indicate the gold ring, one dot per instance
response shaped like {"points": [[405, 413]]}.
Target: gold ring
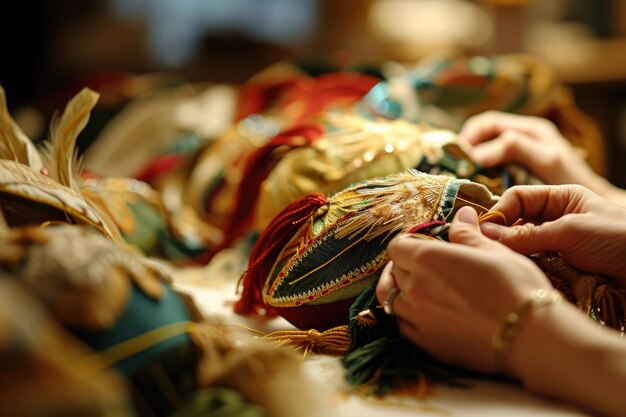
{"points": [[391, 295]]}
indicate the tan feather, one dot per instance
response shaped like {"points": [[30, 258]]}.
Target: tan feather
{"points": [[59, 153], [14, 144], [4, 225]]}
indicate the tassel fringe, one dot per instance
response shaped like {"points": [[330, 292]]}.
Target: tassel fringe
{"points": [[335, 341], [266, 250], [258, 166]]}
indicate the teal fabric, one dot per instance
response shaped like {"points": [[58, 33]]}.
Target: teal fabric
{"points": [[141, 315]]}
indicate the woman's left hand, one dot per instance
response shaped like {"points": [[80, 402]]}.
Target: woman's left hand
{"points": [[454, 295]]}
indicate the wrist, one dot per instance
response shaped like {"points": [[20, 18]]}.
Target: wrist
{"points": [[504, 338], [561, 353], [540, 340]]}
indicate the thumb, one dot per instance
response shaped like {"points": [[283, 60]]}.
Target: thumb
{"points": [[527, 238], [465, 229]]}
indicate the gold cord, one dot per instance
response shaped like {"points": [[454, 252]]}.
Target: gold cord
{"points": [[130, 347], [334, 341]]}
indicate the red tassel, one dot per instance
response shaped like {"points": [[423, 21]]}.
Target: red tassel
{"points": [[266, 250], [258, 167]]}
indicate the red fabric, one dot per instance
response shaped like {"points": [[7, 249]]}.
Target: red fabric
{"points": [[427, 225], [304, 96], [257, 97], [310, 97], [320, 317], [258, 167]]}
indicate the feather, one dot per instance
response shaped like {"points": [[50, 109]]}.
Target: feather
{"points": [[4, 225], [390, 204], [14, 144], [59, 153]]}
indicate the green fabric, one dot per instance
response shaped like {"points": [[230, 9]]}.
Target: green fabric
{"points": [[148, 224]]}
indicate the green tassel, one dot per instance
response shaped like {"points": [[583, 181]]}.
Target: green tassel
{"points": [[383, 360]]}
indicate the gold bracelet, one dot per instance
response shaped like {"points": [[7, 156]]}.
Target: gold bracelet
{"points": [[503, 338]]}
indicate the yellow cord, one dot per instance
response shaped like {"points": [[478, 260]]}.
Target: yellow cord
{"points": [[130, 347]]}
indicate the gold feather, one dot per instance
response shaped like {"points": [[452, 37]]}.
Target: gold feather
{"points": [[4, 225], [14, 144], [390, 204], [59, 153]]}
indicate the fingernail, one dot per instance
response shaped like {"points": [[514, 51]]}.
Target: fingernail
{"points": [[467, 215], [492, 230]]}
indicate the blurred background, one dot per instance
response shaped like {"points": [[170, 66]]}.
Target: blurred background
{"points": [[56, 47]]}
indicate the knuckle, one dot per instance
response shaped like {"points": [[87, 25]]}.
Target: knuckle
{"points": [[462, 232], [490, 114], [569, 221], [423, 253], [547, 127], [522, 232], [510, 139]]}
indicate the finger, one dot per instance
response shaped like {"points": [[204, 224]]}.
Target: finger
{"points": [[386, 282], [434, 267], [466, 230], [539, 202], [401, 306], [491, 124], [407, 252], [529, 238], [388, 291], [511, 146], [411, 332]]}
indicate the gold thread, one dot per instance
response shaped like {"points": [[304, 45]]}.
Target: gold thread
{"points": [[127, 348], [491, 214], [472, 203], [326, 263]]}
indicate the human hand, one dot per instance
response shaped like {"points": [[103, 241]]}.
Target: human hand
{"points": [[587, 231], [454, 296], [500, 138]]}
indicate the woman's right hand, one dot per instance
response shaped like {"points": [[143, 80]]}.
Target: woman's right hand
{"points": [[586, 230]]}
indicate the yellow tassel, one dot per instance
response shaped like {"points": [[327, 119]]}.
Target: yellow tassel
{"points": [[335, 341]]}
